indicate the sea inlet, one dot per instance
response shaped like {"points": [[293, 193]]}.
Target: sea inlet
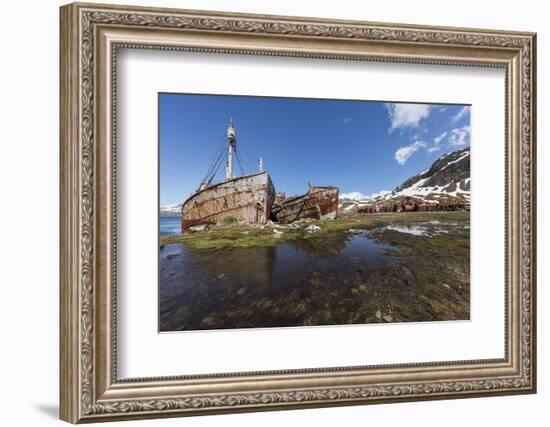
{"points": [[373, 269]]}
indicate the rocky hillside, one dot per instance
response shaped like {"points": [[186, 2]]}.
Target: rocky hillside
{"points": [[447, 176], [448, 173]]}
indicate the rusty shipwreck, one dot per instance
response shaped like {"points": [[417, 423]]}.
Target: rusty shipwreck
{"points": [[251, 198], [241, 199], [317, 203]]}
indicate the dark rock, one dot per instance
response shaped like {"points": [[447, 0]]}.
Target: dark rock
{"points": [[408, 276], [443, 171]]}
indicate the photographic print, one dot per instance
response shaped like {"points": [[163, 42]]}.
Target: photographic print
{"points": [[290, 212]]}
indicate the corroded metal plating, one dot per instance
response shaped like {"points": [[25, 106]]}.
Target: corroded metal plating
{"points": [[248, 199], [318, 203]]}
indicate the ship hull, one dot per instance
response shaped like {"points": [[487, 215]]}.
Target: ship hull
{"points": [[248, 199], [317, 203]]}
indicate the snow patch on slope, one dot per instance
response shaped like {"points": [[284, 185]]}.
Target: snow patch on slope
{"points": [[418, 188]]}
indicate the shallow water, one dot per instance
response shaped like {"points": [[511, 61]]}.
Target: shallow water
{"points": [[169, 225], [197, 284], [429, 228]]}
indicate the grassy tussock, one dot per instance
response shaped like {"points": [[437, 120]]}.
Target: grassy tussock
{"points": [[246, 236]]}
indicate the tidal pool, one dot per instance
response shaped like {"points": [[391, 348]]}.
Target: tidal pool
{"points": [[290, 284]]}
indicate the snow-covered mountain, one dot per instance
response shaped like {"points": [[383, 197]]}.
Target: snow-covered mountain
{"points": [[450, 174], [171, 210], [447, 176]]}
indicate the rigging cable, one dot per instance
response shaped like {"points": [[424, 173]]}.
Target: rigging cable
{"points": [[216, 167], [238, 157], [215, 164], [247, 165]]}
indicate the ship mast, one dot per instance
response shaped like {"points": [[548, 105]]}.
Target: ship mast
{"points": [[231, 146]]}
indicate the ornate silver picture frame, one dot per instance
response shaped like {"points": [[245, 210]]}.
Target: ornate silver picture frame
{"points": [[91, 35]]}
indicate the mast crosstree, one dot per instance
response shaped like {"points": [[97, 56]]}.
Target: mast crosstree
{"points": [[228, 153]]}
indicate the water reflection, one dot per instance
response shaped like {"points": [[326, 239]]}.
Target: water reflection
{"points": [[248, 287]]}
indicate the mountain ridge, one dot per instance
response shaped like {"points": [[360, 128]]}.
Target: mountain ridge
{"points": [[448, 176], [454, 165], [171, 210]]}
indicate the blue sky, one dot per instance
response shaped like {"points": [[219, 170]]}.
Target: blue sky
{"points": [[358, 146]]}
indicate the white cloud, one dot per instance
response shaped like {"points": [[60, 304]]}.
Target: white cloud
{"points": [[460, 136], [437, 141], [403, 153], [354, 195], [348, 120], [463, 111], [407, 115], [439, 138], [379, 194]]}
